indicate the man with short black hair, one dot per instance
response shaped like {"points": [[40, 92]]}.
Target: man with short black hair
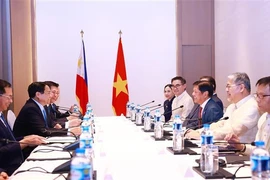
{"points": [[181, 97], [209, 111]]}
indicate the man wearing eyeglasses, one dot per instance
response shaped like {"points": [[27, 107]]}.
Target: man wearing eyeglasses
{"points": [[11, 152], [242, 112], [181, 97], [262, 96]]}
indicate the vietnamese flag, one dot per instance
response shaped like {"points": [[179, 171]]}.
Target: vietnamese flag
{"points": [[120, 95]]}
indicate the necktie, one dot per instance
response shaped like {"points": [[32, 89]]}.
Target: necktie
{"points": [[200, 117], [8, 128], [45, 117]]}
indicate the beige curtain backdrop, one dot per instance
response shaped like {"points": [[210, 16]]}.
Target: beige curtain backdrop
{"points": [[23, 49]]}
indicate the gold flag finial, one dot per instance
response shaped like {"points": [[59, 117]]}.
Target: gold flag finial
{"points": [[120, 33], [82, 33]]}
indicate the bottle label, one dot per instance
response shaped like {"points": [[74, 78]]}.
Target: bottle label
{"points": [[80, 172], [85, 143], [259, 164], [206, 140]]}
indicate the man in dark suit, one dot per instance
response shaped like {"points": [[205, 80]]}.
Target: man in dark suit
{"points": [[32, 118], [64, 119], [194, 113], [209, 110], [10, 147], [212, 81]]}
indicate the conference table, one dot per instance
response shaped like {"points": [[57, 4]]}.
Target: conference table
{"points": [[123, 151]]}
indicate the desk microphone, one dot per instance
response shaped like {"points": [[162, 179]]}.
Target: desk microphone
{"points": [[7, 141], [148, 103], [63, 131], [201, 125], [232, 143], [156, 108], [152, 106], [63, 108], [172, 110]]}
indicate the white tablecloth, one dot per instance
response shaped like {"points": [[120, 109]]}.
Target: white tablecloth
{"points": [[124, 152]]}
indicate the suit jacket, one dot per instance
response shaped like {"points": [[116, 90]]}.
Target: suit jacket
{"points": [[55, 115], [168, 109], [10, 153], [31, 121], [217, 100], [211, 113]]}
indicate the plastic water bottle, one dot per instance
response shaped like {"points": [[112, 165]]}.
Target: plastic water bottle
{"points": [[128, 110], [138, 115], [260, 162], [133, 112], [86, 143], [206, 161], [76, 109], [147, 119], [178, 136], [158, 130], [80, 168]]}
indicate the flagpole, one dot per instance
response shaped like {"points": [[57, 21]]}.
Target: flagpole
{"points": [[82, 34], [120, 33]]}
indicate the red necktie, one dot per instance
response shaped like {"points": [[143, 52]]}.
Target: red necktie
{"points": [[200, 117]]}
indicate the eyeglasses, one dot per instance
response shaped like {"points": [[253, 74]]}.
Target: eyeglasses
{"points": [[176, 86], [6, 96], [229, 86], [261, 96]]}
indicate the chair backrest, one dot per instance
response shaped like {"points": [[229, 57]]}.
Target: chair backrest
{"points": [[11, 118]]}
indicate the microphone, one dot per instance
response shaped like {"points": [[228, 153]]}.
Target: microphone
{"points": [[222, 142], [148, 103], [156, 108], [172, 110], [201, 125], [63, 108], [152, 106], [7, 141], [63, 131]]}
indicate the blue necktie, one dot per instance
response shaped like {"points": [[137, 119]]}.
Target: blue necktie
{"points": [[8, 128], [11, 134], [45, 117]]}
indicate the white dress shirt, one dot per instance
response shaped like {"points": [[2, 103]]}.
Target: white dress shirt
{"points": [[243, 119], [262, 134], [185, 100]]}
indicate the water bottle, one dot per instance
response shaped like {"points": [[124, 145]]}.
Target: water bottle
{"points": [[128, 110], [206, 161], [260, 162], [76, 109], [80, 168], [86, 143], [133, 112], [158, 130], [88, 107], [147, 119], [178, 135], [138, 115]]}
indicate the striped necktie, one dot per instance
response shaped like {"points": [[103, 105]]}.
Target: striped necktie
{"points": [[8, 128]]}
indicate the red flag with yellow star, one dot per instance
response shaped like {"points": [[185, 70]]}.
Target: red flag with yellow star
{"points": [[120, 95]]}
